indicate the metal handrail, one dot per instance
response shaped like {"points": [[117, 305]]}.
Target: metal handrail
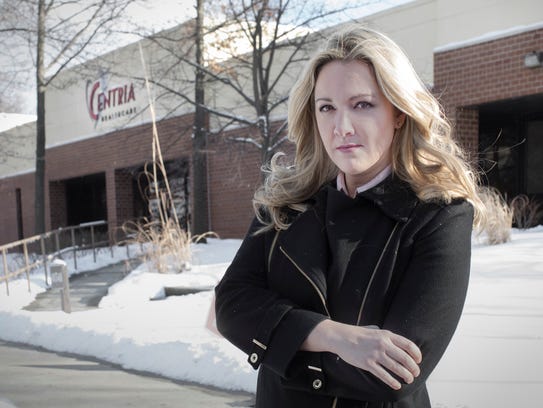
{"points": [[46, 255]]}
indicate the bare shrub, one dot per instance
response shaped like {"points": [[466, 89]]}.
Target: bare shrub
{"points": [[499, 218], [527, 212], [166, 245]]}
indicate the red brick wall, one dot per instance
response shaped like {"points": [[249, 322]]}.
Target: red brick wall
{"points": [[485, 72], [124, 196], [233, 174], [8, 206], [57, 200], [102, 154]]}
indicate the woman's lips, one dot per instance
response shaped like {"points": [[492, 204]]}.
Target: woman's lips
{"points": [[348, 147]]}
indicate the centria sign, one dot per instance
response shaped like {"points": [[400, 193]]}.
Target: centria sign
{"points": [[101, 99]]}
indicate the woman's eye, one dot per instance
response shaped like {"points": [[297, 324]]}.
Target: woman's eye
{"points": [[363, 105], [325, 108]]}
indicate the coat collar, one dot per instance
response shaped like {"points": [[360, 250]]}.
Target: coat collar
{"points": [[395, 197]]}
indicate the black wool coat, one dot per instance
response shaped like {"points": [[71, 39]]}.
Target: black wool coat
{"points": [[383, 258]]}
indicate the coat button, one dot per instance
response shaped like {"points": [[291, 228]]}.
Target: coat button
{"points": [[317, 384], [253, 358]]}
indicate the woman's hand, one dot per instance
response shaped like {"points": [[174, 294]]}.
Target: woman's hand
{"points": [[368, 348]]}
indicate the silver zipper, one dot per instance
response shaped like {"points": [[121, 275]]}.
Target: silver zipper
{"points": [[374, 272], [321, 296]]}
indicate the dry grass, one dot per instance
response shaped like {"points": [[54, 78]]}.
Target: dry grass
{"points": [[497, 227], [527, 212], [167, 246]]}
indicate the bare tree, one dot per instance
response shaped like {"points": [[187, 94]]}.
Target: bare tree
{"points": [[252, 51], [200, 222], [53, 35]]}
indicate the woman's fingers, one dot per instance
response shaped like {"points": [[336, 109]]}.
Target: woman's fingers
{"points": [[398, 368], [395, 356], [408, 346], [382, 374], [406, 357]]}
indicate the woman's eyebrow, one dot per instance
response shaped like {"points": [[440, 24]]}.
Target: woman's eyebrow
{"points": [[361, 95]]}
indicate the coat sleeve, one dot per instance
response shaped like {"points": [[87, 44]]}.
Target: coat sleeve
{"points": [[426, 307], [269, 328]]}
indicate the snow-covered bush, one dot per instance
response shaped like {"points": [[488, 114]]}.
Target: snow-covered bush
{"points": [[499, 218], [527, 212]]}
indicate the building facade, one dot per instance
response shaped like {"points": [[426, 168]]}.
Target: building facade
{"points": [[482, 59], [492, 89]]}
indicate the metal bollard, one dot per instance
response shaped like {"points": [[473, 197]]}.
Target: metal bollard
{"points": [[59, 279]]}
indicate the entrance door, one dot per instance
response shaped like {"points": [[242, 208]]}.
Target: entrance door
{"points": [[511, 145], [86, 199]]}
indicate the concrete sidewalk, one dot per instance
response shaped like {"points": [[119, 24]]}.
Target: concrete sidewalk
{"points": [[36, 378], [86, 288]]}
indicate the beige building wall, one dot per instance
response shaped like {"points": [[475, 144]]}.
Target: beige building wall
{"points": [[109, 93], [413, 26], [18, 150], [464, 20]]}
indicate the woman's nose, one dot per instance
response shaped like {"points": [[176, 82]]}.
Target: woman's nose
{"points": [[343, 126]]}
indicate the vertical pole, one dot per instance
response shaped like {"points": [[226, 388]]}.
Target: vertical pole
{"points": [[59, 279], [25, 249], [66, 304], [200, 208], [44, 255], [92, 243], [57, 245], [4, 257], [112, 240], [74, 247]]}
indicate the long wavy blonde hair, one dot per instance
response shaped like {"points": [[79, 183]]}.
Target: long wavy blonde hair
{"points": [[424, 154]]}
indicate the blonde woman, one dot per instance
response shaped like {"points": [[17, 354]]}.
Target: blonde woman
{"points": [[351, 280]]}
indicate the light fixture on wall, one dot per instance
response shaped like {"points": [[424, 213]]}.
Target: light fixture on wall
{"points": [[533, 59]]}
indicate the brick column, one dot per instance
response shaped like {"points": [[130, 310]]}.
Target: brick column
{"points": [[57, 201], [467, 129], [111, 200], [125, 196]]}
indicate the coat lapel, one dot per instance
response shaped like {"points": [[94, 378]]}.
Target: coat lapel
{"points": [[306, 243]]}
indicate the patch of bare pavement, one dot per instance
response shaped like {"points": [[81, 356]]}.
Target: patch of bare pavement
{"points": [[35, 378]]}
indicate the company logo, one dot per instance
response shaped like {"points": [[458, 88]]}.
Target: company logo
{"points": [[105, 103]]}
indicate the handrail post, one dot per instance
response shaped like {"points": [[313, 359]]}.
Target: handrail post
{"points": [[25, 249], [57, 244], [111, 239], [92, 243], [4, 256], [74, 248], [60, 279], [44, 255]]}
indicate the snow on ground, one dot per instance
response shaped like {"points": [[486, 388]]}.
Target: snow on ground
{"points": [[494, 360]]}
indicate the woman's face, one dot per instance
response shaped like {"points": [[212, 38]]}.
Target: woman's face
{"points": [[356, 122]]}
